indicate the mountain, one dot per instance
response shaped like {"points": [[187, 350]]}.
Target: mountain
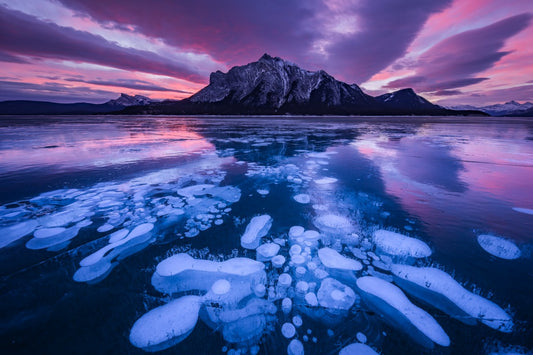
{"points": [[510, 108], [406, 101], [24, 107], [128, 100], [272, 85]]}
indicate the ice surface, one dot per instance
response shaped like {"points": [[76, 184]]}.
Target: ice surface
{"points": [[166, 325], [266, 252], [357, 349], [302, 198], [256, 229], [334, 295], [390, 300], [400, 245], [12, 233], [332, 259], [499, 247], [439, 289]]}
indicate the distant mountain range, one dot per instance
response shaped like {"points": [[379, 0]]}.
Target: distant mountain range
{"points": [[273, 86], [511, 108], [22, 107], [269, 86]]}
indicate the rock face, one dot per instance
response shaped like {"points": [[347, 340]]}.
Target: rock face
{"points": [[274, 84]]}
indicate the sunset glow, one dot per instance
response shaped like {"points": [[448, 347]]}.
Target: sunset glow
{"points": [[452, 52]]}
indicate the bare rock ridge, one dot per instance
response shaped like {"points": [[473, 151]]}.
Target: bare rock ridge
{"points": [[273, 86]]}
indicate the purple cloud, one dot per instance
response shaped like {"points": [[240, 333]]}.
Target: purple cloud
{"points": [[9, 58], [239, 31], [127, 83], [234, 32], [16, 90], [385, 30], [28, 36], [453, 62]]}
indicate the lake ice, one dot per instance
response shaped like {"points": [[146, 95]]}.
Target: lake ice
{"points": [[296, 236]]}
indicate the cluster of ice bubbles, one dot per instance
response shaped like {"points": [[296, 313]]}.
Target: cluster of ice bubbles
{"points": [[301, 276], [321, 274], [131, 214]]}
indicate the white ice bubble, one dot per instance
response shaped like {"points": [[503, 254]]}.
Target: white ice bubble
{"points": [[400, 245], [48, 232], [311, 299], [166, 325], [295, 250], [256, 229], [286, 305], [105, 228], [296, 231], [361, 337], [118, 235], [302, 198], [288, 330], [357, 349], [295, 348], [284, 280], [333, 224], [334, 295], [278, 261], [302, 287], [499, 247], [333, 260], [221, 287], [260, 290], [266, 252], [12, 233], [263, 192], [141, 230], [388, 298], [439, 289], [325, 181], [181, 272], [297, 321]]}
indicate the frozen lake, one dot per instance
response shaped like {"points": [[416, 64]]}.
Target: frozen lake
{"points": [[265, 235]]}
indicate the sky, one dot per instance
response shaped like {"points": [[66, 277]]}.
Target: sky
{"points": [[452, 52]]}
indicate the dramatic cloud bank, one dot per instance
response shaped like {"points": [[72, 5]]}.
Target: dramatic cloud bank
{"points": [[449, 49]]}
